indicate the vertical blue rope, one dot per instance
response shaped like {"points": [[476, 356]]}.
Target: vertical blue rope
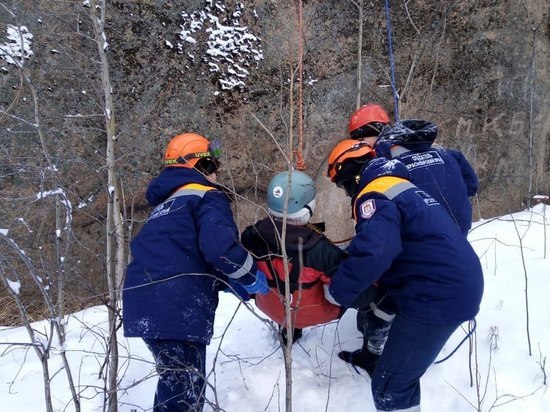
{"points": [[392, 63]]}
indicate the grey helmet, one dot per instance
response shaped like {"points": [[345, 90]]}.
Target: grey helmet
{"points": [[301, 193]]}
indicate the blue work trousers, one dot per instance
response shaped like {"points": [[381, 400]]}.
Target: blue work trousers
{"points": [[410, 349], [181, 369]]}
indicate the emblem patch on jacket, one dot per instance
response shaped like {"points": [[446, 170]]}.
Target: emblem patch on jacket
{"points": [[161, 210], [430, 201], [367, 208]]}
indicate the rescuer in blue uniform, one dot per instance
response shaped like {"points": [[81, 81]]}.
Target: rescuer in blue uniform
{"points": [[445, 174], [186, 252], [407, 244]]}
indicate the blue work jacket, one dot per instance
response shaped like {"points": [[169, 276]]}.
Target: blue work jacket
{"points": [[443, 173], [408, 244], [187, 245]]}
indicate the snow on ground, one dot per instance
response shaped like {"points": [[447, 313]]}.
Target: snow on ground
{"points": [[246, 365]]}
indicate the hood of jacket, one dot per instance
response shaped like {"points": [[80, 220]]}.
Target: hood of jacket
{"points": [[170, 179], [415, 135], [381, 166]]}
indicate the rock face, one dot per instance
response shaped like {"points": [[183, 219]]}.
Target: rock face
{"points": [[477, 68]]}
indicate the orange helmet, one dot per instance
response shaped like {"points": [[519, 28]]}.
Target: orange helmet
{"points": [[345, 150], [367, 121], [187, 149]]}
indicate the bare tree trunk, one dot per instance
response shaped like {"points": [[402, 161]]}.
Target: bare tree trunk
{"points": [[359, 54], [60, 206], [526, 290], [530, 131], [288, 320], [291, 111], [288, 313], [26, 77], [115, 261], [42, 349], [300, 163], [57, 312]]}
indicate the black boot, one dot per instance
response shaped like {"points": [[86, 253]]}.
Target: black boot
{"points": [[296, 334], [362, 358]]}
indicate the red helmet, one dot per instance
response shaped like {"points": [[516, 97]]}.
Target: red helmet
{"points": [[187, 149], [346, 149], [369, 114]]}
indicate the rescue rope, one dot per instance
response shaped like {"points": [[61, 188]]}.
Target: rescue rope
{"points": [[392, 63], [471, 329], [300, 162], [339, 242]]}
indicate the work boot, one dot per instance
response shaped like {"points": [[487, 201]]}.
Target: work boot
{"points": [[296, 334], [362, 358]]}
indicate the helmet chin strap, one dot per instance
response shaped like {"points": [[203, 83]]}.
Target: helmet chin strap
{"points": [[309, 207], [309, 210], [351, 186]]}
